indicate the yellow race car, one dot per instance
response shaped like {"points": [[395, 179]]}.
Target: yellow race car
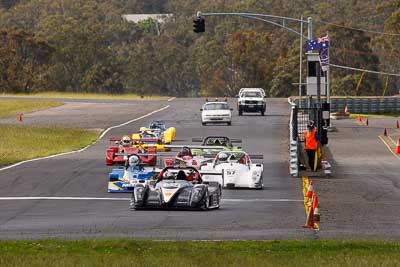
{"points": [[156, 130]]}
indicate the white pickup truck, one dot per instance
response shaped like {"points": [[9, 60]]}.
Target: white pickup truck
{"points": [[251, 100]]}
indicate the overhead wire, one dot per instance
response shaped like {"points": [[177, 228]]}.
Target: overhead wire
{"points": [[358, 29]]}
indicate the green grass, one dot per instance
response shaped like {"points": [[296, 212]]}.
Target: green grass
{"points": [[377, 115], [9, 108], [171, 254], [19, 143], [89, 96]]}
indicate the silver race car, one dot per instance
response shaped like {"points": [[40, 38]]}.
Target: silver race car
{"points": [[178, 188]]}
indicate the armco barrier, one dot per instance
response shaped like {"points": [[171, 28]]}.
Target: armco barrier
{"points": [[294, 160], [364, 105]]}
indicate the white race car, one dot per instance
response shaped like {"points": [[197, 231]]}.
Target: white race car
{"points": [[238, 170], [216, 112]]}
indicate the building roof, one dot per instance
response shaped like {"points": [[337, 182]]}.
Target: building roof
{"points": [[140, 17]]}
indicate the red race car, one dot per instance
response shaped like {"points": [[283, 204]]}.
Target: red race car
{"points": [[125, 146]]}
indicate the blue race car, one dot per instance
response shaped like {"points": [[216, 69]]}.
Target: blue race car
{"points": [[123, 180], [160, 130]]}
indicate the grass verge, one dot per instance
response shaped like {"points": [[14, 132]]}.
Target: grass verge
{"points": [[9, 108], [19, 143], [380, 115], [88, 96], [224, 253]]}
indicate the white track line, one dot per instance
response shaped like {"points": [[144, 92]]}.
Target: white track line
{"points": [[125, 199], [171, 99], [86, 147]]}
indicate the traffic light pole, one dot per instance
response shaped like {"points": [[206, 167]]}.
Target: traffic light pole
{"points": [[266, 18]]}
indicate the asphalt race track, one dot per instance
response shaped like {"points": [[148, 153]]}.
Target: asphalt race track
{"points": [[276, 212]]}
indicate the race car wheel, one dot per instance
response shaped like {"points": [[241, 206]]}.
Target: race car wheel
{"points": [[206, 201], [262, 185], [229, 123], [262, 112], [132, 202], [203, 123], [240, 112]]}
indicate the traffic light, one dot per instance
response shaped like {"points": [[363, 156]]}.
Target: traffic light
{"points": [[199, 25]]}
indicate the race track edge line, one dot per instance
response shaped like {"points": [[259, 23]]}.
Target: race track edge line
{"points": [[124, 199], [86, 147]]}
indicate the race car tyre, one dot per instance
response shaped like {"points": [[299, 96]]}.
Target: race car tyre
{"points": [[206, 201], [203, 123], [262, 112], [132, 202], [240, 112], [262, 184], [230, 123]]}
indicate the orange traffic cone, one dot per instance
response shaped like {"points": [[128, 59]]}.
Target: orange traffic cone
{"points": [[398, 146], [366, 122], [310, 191], [385, 132], [359, 118], [216, 99], [310, 217], [315, 204], [397, 124]]}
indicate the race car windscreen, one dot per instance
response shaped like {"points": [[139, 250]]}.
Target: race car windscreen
{"points": [[252, 94], [216, 106]]}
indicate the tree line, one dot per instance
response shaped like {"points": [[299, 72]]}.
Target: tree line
{"points": [[86, 46]]}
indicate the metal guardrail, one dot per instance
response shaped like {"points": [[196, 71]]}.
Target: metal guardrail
{"points": [[293, 145], [364, 105]]}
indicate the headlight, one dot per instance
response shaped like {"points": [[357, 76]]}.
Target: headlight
{"points": [[230, 172]]}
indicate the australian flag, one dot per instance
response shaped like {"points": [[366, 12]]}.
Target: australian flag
{"points": [[322, 45], [317, 44]]}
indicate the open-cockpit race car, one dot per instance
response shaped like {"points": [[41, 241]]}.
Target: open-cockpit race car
{"points": [[156, 130], [178, 188], [238, 169], [123, 180], [185, 156], [118, 147], [214, 141]]}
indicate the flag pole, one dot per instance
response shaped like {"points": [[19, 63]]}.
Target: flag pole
{"points": [[301, 60], [328, 91]]}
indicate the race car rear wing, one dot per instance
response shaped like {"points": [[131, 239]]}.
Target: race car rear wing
{"points": [[143, 140], [139, 154], [194, 147], [201, 139], [147, 140], [256, 156]]}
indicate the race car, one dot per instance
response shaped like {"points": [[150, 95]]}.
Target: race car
{"points": [[214, 141], [167, 133], [156, 130], [123, 180], [238, 169], [186, 158], [177, 188], [125, 145]]}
